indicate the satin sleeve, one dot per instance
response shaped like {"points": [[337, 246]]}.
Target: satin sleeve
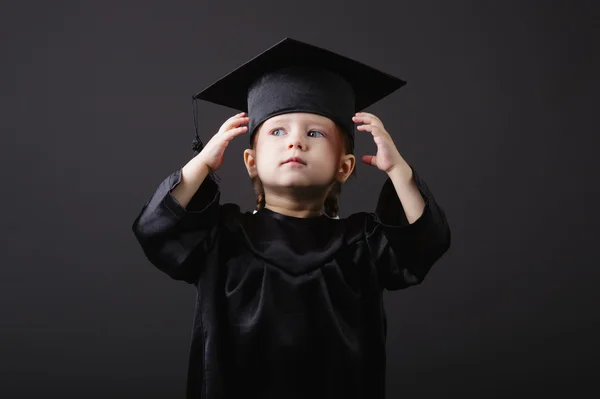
{"points": [[176, 239], [403, 252]]}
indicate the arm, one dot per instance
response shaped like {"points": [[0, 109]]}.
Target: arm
{"points": [[409, 233], [178, 225], [408, 192], [173, 238], [192, 176]]}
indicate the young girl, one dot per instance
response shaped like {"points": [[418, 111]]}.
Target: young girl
{"points": [[289, 301]]}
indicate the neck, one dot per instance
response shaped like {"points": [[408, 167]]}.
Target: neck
{"points": [[305, 208]]}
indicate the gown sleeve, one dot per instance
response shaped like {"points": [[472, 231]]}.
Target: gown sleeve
{"points": [[404, 253], [176, 239]]}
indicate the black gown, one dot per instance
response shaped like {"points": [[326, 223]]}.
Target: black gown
{"points": [[288, 307]]}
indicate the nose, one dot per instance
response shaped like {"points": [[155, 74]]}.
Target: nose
{"points": [[296, 140]]}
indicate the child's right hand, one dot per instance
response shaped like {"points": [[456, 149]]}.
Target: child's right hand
{"points": [[212, 154]]}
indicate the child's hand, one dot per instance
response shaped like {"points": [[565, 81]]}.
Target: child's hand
{"points": [[213, 152], [387, 156]]}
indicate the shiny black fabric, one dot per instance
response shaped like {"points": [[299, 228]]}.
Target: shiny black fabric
{"points": [[288, 307], [302, 89]]}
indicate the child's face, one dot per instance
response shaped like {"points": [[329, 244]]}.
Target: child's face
{"points": [[315, 140]]}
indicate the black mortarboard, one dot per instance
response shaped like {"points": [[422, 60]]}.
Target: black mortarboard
{"points": [[293, 76]]}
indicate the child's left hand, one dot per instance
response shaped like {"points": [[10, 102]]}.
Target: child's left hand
{"points": [[388, 157]]}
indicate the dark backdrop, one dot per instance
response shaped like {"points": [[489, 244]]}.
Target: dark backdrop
{"points": [[498, 117]]}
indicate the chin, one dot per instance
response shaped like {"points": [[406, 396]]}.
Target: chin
{"points": [[294, 181], [290, 180], [302, 181]]}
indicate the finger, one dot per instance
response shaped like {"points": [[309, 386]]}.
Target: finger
{"points": [[238, 119], [230, 134], [376, 131], [370, 160], [242, 120], [368, 128], [235, 122], [367, 119], [369, 115], [235, 117], [231, 119]]}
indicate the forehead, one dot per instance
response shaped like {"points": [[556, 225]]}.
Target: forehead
{"points": [[300, 117]]}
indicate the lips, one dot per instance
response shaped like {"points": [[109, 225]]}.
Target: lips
{"points": [[294, 159]]}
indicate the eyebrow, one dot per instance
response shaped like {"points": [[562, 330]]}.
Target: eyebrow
{"points": [[311, 124]]}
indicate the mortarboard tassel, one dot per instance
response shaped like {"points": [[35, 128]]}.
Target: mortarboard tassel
{"points": [[197, 145]]}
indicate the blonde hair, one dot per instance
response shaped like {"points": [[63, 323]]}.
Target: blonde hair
{"points": [[332, 201]]}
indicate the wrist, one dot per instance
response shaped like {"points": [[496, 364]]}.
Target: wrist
{"points": [[400, 172]]}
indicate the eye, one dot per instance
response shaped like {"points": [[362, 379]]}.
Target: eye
{"points": [[274, 132], [317, 132]]}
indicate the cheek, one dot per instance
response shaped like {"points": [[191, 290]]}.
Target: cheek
{"points": [[262, 165], [329, 156], [265, 159]]}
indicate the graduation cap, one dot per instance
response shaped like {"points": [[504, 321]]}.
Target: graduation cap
{"points": [[293, 76]]}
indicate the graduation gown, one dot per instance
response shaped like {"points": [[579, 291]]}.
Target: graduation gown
{"points": [[288, 307]]}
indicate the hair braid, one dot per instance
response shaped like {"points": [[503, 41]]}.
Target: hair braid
{"points": [[260, 193], [332, 202]]}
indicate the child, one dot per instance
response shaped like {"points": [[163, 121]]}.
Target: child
{"points": [[289, 301]]}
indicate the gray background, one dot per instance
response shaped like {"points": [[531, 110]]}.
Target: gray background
{"points": [[497, 116]]}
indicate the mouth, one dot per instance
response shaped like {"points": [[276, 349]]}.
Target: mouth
{"points": [[294, 160]]}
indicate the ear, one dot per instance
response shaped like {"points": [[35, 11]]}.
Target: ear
{"points": [[250, 162], [347, 163]]}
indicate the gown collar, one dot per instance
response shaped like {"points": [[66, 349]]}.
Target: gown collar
{"points": [[283, 217], [296, 245]]}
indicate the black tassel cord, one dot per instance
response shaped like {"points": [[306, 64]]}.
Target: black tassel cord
{"points": [[197, 145]]}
